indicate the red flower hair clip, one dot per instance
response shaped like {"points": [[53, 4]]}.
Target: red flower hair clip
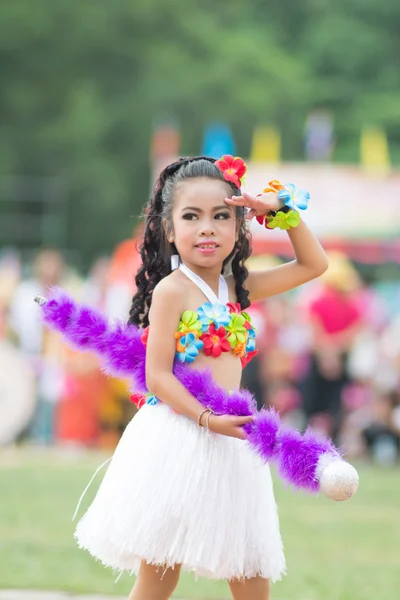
{"points": [[233, 168]]}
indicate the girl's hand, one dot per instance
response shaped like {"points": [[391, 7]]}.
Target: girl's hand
{"points": [[260, 205], [229, 425]]}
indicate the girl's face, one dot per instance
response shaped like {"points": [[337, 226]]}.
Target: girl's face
{"points": [[204, 228]]}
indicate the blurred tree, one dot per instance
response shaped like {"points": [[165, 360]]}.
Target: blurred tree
{"points": [[83, 82]]}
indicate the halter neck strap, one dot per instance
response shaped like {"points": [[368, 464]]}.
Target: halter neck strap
{"points": [[223, 292]]}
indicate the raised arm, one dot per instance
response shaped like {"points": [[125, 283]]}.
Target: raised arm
{"points": [[310, 261]]}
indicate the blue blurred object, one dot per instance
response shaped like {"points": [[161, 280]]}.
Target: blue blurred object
{"points": [[218, 140]]}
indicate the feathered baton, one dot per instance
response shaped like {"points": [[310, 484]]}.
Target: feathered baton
{"points": [[305, 461]]}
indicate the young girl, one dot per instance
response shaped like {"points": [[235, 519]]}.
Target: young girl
{"points": [[184, 490]]}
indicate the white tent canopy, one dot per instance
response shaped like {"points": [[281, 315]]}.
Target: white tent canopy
{"points": [[345, 201]]}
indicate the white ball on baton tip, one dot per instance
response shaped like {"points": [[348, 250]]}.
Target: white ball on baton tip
{"points": [[338, 480]]}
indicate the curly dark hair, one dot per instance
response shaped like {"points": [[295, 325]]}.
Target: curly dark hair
{"points": [[156, 250]]}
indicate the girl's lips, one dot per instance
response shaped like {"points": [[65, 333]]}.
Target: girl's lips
{"points": [[207, 248]]}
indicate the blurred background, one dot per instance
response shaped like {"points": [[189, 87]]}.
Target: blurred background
{"points": [[96, 98]]}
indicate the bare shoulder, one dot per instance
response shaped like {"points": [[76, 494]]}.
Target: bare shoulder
{"points": [[168, 290], [167, 294], [167, 286], [178, 284]]}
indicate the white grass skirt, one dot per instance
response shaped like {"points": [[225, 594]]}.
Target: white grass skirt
{"points": [[175, 493]]}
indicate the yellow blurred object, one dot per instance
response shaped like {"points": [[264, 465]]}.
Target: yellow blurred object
{"points": [[266, 145], [111, 411], [374, 150], [262, 261], [340, 274]]}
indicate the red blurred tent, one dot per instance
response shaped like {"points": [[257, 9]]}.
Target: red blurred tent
{"points": [[125, 260]]}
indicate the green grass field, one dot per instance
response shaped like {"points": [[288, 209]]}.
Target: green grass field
{"points": [[335, 551]]}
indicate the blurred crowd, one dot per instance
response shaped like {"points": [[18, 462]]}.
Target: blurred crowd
{"points": [[329, 356], [67, 400]]}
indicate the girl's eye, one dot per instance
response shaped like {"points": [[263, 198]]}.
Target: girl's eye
{"points": [[193, 216]]}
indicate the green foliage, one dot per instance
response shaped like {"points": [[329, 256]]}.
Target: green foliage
{"points": [[83, 84]]}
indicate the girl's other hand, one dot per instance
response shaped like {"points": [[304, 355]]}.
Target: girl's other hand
{"points": [[260, 205], [229, 425]]}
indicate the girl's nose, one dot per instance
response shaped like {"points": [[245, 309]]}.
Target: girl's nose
{"points": [[207, 228]]}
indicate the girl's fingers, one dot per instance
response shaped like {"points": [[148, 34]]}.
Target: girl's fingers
{"points": [[247, 201], [252, 213], [257, 206], [249, 198], [236, 201], [244, 420], [244, 197]]}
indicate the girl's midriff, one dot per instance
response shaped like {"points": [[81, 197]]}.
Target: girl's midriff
{"points": [[226, 369]]}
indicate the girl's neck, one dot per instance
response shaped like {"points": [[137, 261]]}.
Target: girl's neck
{"points": [[210, 275]]}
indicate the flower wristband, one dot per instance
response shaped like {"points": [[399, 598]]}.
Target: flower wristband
{"points": [[282, 220], [291, 199]]}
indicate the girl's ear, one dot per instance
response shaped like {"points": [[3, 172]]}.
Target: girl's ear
{"points": [[168, 231]]}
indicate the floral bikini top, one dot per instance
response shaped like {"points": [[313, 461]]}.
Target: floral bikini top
{"points": [[217, 326]]}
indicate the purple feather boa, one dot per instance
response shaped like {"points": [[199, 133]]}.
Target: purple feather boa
{"points": [[124, 355]]}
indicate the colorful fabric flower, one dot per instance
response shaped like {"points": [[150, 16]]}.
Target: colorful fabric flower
{"points": [[233, 168], [187, 347], [189, 322], [246, 315], [138, 399], [251, 331], [247, 358], [294, 198], [213, 313], [283, 220], [237, 333], [215, 341], [234, 308], [273, 186], [260, 219], [152, 400], [250, 344], [145, 335], [142, 399], [240, 349]]}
